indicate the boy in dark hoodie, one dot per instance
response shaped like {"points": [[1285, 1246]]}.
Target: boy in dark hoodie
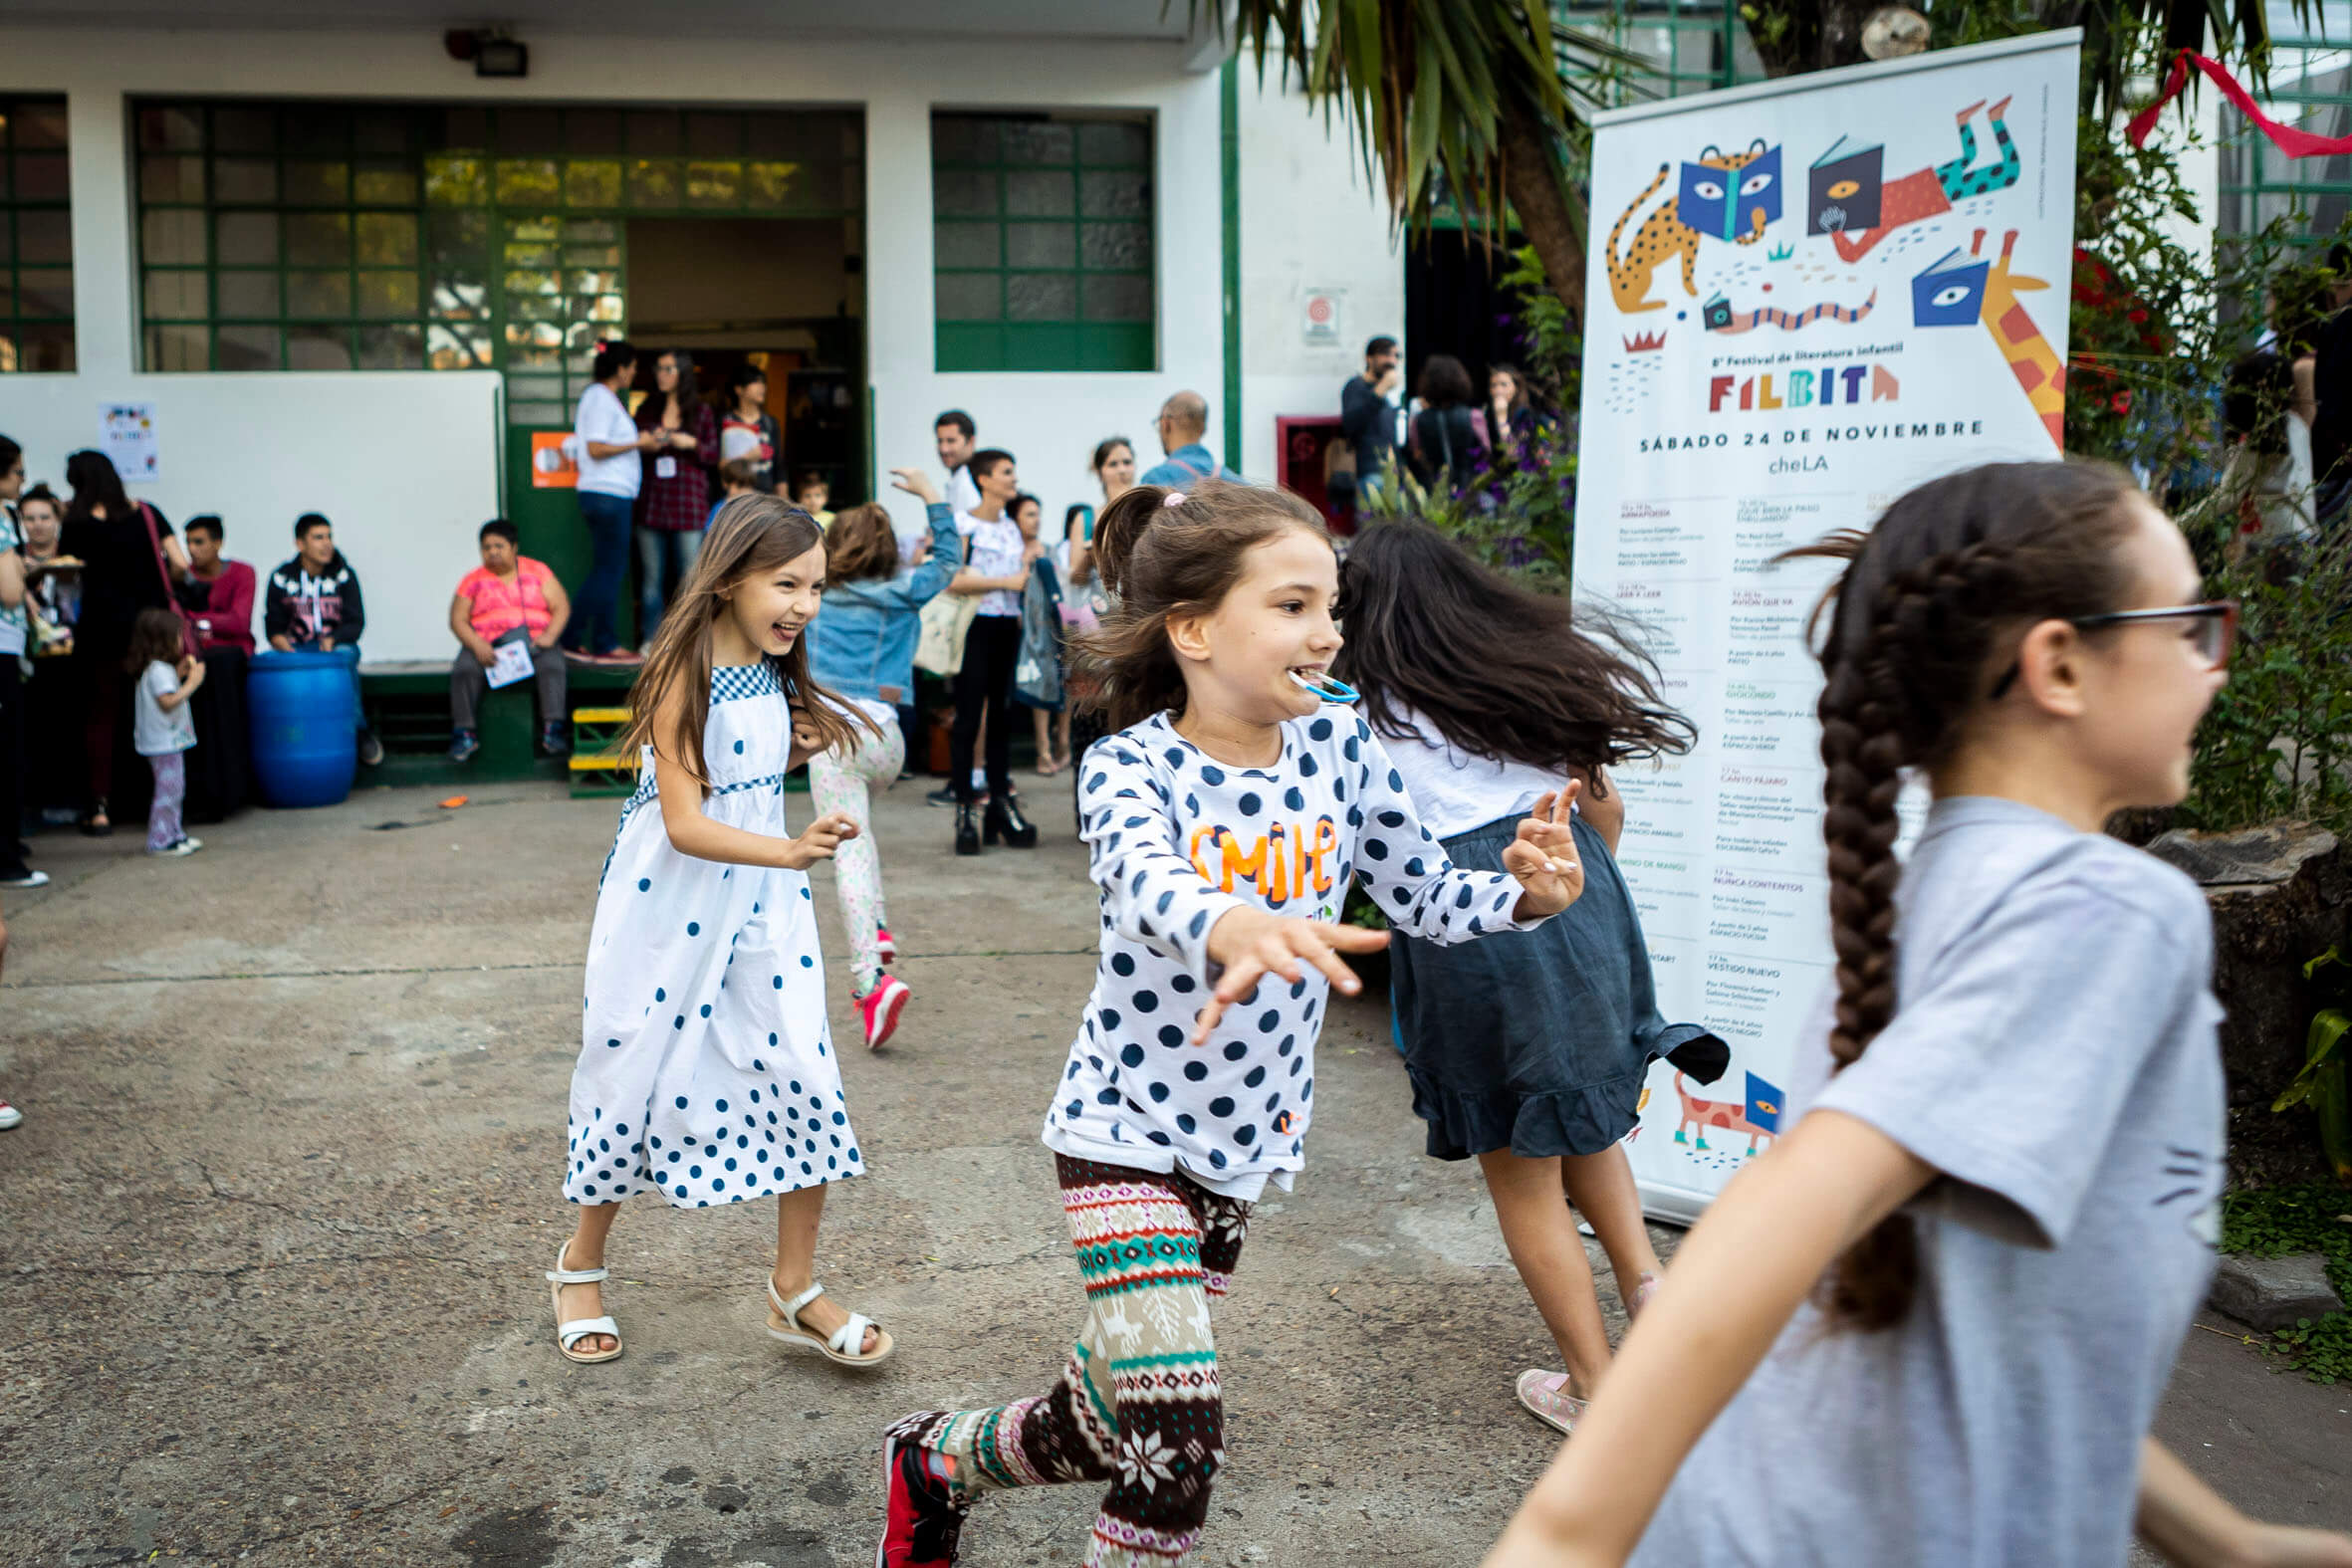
{"points": [[313, 605]]}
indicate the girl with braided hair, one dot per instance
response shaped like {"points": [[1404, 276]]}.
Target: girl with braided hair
{"points": [[1930, 1325]]}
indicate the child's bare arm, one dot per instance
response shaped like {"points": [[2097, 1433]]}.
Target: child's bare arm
{"points": [[692, 832], [191, 677], [1604, 814], [2187, 1522]]}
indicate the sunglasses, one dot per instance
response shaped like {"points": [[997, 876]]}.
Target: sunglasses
{"points": [[2214, 628]]}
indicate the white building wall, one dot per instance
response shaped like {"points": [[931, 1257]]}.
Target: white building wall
{"points": [[1311, 219], [371, 449]]}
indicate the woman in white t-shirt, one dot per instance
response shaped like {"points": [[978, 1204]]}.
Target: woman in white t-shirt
{"points": [[1529, 1051], [608, 446]]}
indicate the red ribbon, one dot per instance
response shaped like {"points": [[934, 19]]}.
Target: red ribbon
{"points": [[2294, 143]]}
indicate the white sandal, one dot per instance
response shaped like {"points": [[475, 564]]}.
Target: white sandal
{"points": [[579, 1328], [784, 1323]]}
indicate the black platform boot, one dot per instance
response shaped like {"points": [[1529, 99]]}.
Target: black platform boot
{"points": [[967, 830], [1004, 820]]}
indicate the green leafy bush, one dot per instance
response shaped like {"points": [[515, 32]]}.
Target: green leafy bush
{"points": [[2312, 1218]]}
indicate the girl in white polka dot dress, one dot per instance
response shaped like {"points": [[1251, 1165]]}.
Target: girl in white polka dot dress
{"points": [[1225, 819], [707, 1073]]}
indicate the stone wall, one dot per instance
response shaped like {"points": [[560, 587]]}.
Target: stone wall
{"points": [[2280, 896]]}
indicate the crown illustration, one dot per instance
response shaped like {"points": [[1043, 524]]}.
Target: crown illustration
{"points": [[1781, 252], [1645, 342]]}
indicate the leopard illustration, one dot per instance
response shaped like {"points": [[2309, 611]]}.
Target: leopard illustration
{"points": [[1664, 234]]}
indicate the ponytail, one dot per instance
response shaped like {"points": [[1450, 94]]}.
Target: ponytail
{"points": [[1931, 603], [1121, 524], [1164, 550]]}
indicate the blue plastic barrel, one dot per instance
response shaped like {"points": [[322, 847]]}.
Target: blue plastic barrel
{"points": [[305, 742]]}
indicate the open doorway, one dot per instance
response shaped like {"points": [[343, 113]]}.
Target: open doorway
{"points": [[785, 294], [1456, 304]]}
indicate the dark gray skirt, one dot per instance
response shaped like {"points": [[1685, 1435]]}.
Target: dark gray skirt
{"points": [[1536, 1042]]}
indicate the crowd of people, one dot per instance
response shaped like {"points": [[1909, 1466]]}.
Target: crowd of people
{"points": [[1931, 1325], [1450, 442], [1965, 1275], [122, 639]]}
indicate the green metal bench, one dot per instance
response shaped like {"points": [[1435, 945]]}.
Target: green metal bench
{"points": [[407, 705]]}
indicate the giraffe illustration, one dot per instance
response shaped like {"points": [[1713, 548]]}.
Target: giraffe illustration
{"points": [[1956, 292]]}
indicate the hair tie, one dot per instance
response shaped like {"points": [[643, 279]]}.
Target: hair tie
{"points": [[1175, 499]]}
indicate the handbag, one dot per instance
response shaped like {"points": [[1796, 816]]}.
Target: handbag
{"points": [[945, 620], [1037, 672], [189, 643]]}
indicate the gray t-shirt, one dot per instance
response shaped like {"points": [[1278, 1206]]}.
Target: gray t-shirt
{"points": [[2054, 1055], [156, 732]]}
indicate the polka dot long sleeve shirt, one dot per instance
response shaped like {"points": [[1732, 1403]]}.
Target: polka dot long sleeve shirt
{"points": [[1178, 839]]}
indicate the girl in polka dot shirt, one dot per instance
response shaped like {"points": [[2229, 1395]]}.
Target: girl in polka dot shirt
{"points": [[707, 1074], [1225, 819]]}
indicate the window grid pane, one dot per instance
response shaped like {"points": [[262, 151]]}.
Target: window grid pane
{"points": [[324, 236], [37, 232], [1042, 255]]}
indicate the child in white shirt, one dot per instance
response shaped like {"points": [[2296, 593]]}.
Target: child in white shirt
{"points": [[167, 678]]}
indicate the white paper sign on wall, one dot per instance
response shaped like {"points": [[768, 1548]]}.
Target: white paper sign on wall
{"points": [[126, 434], [1319, 318]]}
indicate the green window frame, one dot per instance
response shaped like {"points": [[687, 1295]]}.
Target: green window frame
{"points": [[36, 237], [2311, 89], [1042, 235], [334, 236]]}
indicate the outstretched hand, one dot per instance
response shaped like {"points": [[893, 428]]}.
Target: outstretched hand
{"points": [[1543, 856], [1251, 944], [825, 835], [915, 482]]}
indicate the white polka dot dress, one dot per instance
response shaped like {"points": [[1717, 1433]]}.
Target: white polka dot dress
{"points": [[1178, 839], [706, 1069]]}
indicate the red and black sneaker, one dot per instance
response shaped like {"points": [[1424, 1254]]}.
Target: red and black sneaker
{"points": [[920, 1515]]}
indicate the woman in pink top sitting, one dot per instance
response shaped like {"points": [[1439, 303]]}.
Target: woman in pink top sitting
{"points": [[508, 598]]}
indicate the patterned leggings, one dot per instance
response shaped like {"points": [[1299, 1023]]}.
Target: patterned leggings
{"points": [[845, 785], [172, 788], [1961, 182], [1137, 1403]]}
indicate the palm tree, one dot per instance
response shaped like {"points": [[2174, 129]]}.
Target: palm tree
{"points": [[1466, 101], [1483, 101], [1796, 36]]}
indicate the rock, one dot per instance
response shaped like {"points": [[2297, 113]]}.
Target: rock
{"points": [[2264, 857], [2274, 1293], [2279, 895]]}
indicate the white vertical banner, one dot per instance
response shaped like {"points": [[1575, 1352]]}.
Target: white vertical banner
{"points": [[1810, 296]]}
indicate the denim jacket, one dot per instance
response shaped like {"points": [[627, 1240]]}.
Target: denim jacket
{"points": [[863, 639]]}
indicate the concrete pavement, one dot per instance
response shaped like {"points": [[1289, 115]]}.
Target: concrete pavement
{"points": [[270, 1237]]}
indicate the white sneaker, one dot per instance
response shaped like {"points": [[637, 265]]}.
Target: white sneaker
{"points": [[187, 846], [9, 1116], [29, 879]]}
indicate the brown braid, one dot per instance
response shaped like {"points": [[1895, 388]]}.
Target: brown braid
{"points": [[1929, 608]]}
